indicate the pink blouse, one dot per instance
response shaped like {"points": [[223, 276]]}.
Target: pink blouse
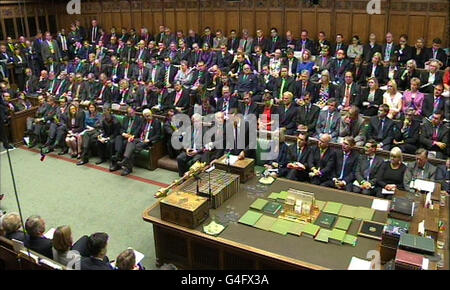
{"points": [[416, 103]]}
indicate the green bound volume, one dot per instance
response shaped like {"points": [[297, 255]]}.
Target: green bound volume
{"points": [[265, 222], [350, 239], [337, 236], [258, 204], [296, 229], [281, 226], [343, 223], [326, 220], [417, 244], [250, 218], [310, 230], [320, 204], [272, 208], [332, 207], [398, 223], [364, 213], [323, 235], [348, 211]]}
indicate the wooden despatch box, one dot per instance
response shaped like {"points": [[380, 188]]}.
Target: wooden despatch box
{"points": [[244, 168], [184, 209]]}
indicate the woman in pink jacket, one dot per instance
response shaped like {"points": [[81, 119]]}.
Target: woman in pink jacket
{"points": [[412, 98]]}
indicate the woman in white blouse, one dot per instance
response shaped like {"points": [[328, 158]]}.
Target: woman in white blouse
{"points": [[184, 75], [355, 49], [393, 98]]}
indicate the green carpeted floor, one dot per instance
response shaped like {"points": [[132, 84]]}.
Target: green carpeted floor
{"points": [[87, 199]]}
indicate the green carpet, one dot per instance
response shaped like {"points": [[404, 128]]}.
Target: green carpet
{"points": [[87, 199]]}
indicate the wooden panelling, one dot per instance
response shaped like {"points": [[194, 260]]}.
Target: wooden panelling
{"points": [[377, 26], [192, 20], [343, 25], [360, 26], [416, 28], [208, 19], [262, 20], [276, 20], [181, 20], [233, 21], [309, 23], [418, 18], [169, 19], [248, 21], [324, 23], [220, 21], [294, 24], [436, 29], [398, 24]]}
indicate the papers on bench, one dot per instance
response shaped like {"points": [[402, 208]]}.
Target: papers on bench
{"points": [[380, 204], [49, 233], [423, 185], [359, 264], [384, 191], [232, 159]]}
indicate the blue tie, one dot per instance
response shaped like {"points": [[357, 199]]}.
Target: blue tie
{"points": [[343, 166]]}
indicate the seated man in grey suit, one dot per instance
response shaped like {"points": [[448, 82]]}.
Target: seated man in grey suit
{"points": [[353, 125], [367, 169], [420, 169], [329, 121]]}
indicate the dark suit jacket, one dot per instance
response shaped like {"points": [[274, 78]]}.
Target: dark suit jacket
{"points": [[337, 72], [394, 49], [224, 61], [17, 235], [368, 52], [310, 119], [183, 102], [355, 92], [363, 164], [326, 164], [40, 245], [136, 126], [443, 177], [250, 84], [441, 56], [233, 44], [288, 118], [154, 134], [428, 105], [350, 167], [412, 133], [404, 55], [426, 138], [380, 73], [309, 45], [289, 86], [404, 79], [438, 79], [233, 104], [307, 157], [264, 61], [265, 44], [298, 88], [334, 49], [293, 71], [20, 66], [388, 128], [94, 264], [253, 108]]}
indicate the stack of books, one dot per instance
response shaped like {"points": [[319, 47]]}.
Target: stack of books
{"points": [[402, 208]]}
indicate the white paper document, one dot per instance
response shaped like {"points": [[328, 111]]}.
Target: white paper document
{"points": [[232, 159], [380, 204], [384, 191], [139, 256], [359, 264], [49, 234], [424, 185]]}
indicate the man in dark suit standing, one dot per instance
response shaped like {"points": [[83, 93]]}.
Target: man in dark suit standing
{"points": [[20, 63], [381, 128], [97, 246], [346, 161], [324, 161], [300, 158], [434, 135], [307, 115], [367, 169], [150, 134], [94, 32], [248, 107], [50, 48], [35, 228], [4, 111]]}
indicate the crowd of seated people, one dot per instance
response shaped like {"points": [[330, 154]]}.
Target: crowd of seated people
{"points": [[87, 253], [382, 95]]}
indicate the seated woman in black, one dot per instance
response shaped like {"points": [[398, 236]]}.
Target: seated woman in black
{"points": [[371, 98], [390, 176]]}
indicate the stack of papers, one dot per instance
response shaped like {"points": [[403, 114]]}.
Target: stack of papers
{"points": [[359, 264], [380, 204]]}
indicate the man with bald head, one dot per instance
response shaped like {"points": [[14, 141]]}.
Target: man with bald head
{"points": [[324, 161], [247, 82]]}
